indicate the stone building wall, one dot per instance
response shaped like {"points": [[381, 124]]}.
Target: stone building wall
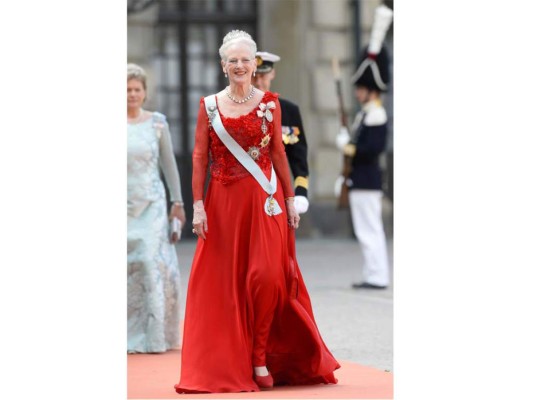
{"points": [[306, 34]]}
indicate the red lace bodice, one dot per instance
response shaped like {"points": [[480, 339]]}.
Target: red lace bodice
{"points": [[246, 130]]}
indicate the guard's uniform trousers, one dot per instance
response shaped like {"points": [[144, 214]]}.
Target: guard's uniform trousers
{"points": [[370, 138]]}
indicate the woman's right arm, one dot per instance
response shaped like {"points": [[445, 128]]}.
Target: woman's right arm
{"points": [[200, 159]]}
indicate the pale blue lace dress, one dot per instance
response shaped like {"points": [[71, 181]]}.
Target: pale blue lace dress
{"points": [[153, 274]]}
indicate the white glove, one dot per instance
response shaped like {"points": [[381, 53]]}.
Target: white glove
{"points": [[199, 220], [338, 186], [343, 138], [301, 204]]}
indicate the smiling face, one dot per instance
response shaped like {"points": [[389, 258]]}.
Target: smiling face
{"points": [[239, 64], [136, 94]]}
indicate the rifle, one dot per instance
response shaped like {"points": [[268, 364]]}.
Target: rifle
{"points": [[342, 201]]}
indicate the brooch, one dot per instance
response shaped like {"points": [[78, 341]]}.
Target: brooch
{"points": [[211, 114], [254, 152], [265, 141], [265, 113], [270, 206]]}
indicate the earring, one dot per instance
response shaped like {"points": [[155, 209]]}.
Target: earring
{"points": [[225, 74], [254, 73]]}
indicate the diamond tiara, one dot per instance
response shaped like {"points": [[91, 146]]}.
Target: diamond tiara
{"points": [[236, 34]]}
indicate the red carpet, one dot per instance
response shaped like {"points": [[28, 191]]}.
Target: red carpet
{"points": [[153, 376]]}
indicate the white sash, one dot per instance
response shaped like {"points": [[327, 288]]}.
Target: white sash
{"points": [[271, 205]]}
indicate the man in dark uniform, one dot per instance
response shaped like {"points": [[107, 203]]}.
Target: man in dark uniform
{"points": [[364, 145], [292, 130]]}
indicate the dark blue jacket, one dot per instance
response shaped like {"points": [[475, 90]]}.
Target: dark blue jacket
{"points": [[370, 141], [295, 142]]}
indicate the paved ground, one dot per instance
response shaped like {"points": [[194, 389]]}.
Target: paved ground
{"points": [[356, 325], [153, 376]]}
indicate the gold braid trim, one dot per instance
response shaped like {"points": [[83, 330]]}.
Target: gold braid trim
{"points": [[301, 181]]}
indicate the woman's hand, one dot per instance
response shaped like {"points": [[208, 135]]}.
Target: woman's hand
{"points": [[177, 211], [292, 214], [199, 219]]}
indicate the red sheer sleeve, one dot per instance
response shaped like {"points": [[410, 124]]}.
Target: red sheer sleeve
{"points": [[279, 158], [200, 154]]}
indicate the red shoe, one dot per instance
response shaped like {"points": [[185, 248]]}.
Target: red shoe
{"points": [[264, 382]]}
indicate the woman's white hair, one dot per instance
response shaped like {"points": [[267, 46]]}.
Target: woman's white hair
{"points": [[136, 72], [235, 37]]}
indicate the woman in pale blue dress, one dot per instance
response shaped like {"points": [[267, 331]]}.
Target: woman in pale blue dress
{"points": [[153, 274]]}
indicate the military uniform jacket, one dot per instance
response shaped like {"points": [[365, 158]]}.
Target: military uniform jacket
{"points": [[295, 144], [370, 139]]}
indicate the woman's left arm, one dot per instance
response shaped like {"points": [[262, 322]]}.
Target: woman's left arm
{"points": [[281, 166], [172, 177]]}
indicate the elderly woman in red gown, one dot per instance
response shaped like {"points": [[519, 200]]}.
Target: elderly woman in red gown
{"points": [[248, 320]]}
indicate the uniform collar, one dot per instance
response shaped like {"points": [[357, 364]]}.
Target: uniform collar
{"points": [[371, 105]]}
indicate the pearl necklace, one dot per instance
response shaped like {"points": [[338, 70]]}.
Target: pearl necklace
{"points": [[138, 118], [252, 92]]}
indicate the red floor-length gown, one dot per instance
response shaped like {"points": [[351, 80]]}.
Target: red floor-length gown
{"points": [[247, 304]]}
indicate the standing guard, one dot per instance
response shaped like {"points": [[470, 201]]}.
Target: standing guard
{"points": [[364, 144]]}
